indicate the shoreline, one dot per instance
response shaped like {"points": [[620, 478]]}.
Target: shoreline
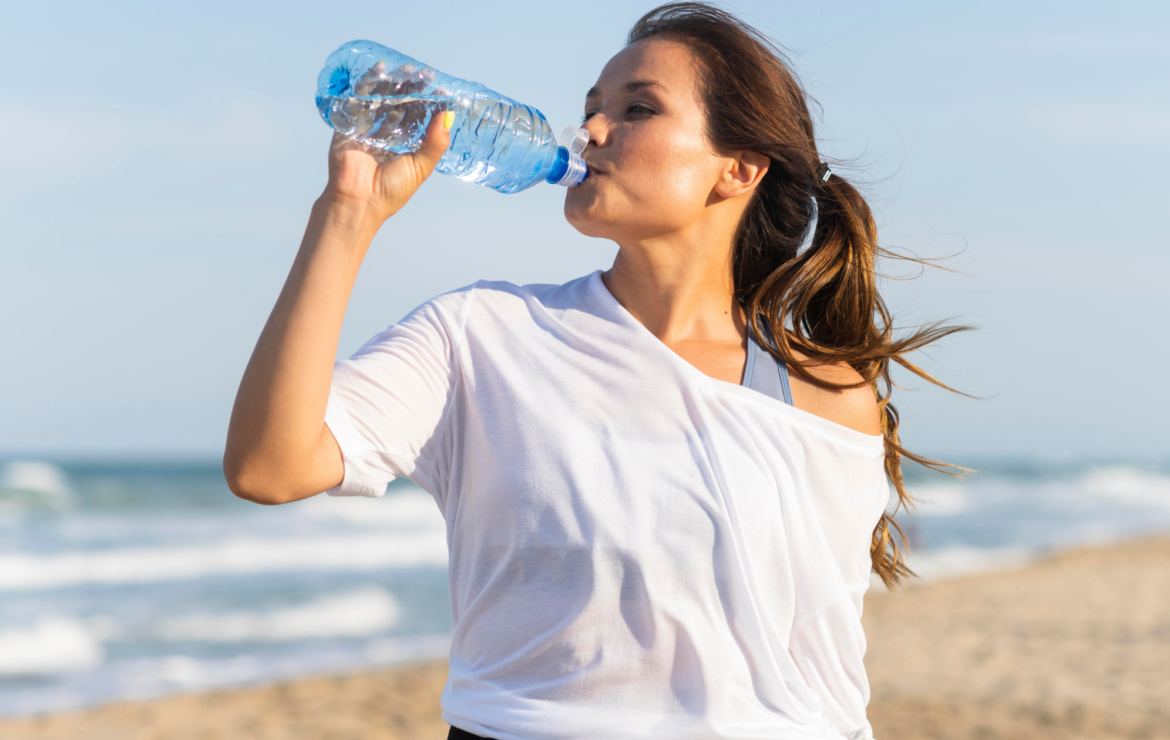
{"points": [[1072, 645]]}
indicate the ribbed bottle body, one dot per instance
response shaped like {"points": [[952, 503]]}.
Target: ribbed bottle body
{"points": [[386, 99]]}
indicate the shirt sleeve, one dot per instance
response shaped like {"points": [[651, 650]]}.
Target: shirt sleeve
{"points": [[388, 403]]}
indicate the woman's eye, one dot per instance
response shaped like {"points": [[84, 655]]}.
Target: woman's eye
{"points": [[636, 109]]}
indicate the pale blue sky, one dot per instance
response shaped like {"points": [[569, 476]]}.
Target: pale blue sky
{"points": [[157, 164]]}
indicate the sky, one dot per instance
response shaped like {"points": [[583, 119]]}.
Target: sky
{"points": [[158, 162]]}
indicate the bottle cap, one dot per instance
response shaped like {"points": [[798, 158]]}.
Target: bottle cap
{"points": [[572, 142]]}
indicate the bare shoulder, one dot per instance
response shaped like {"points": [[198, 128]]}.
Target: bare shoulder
{"points": [[856, 408]]}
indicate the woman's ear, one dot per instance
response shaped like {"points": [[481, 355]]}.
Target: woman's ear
{"points": [[744, 171]]}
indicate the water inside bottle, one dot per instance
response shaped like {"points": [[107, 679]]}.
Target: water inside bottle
{"points": [[395, 124], [383, 108], [495, 141]]}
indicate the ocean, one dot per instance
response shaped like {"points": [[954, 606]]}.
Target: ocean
{"points": [[134, 580]]}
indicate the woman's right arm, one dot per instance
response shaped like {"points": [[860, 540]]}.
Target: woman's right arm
{"points": [[278, 446]]}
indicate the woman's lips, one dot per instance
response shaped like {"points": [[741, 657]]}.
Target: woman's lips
{"points": [[594, 170]]}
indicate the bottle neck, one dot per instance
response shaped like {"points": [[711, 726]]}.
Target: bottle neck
{"points": [[569, 169]]}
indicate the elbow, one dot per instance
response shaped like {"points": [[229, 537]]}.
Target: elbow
{"points": [[249, 484]]}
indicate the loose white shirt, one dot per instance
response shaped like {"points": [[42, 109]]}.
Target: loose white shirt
{"points": [[636, 549]]}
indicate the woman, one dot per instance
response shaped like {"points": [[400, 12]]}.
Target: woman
{"points": [[654, 528]]}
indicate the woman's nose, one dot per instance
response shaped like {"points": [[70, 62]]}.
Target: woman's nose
{"points": [[598, 131]]}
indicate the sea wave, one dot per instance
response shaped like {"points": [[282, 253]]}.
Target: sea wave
{"points": [[960, 560], [20, 572], [32, 484], [410, 509], [1127, 485], [365, 611], [1130, 487], [943, 499], [955, 561], [160, 675], [51, 645]]}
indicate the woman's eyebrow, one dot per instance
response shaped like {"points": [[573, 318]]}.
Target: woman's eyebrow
{"points": [[629, 87]]}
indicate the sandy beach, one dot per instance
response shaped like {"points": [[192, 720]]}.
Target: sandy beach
{"points": [[1075, 646]]}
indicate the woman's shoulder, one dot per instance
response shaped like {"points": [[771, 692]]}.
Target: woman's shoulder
{"points": [[855, 408]]}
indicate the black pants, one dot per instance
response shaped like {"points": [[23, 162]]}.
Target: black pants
{"points": [[457, 734]]}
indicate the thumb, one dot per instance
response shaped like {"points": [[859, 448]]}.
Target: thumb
{"points": [[435, 142]]}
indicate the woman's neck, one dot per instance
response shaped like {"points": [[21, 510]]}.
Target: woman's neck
{"points": [[680, 288]]}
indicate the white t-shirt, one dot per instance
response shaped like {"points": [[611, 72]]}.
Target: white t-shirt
{"points": [[636, 549]]}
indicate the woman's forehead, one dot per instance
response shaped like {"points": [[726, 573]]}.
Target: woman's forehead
{"points": [[667, 64]]}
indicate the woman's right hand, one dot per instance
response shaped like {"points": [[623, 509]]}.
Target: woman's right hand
{"points": [[378, 182]]}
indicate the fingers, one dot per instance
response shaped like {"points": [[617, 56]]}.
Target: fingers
{"points": [[342, 143], [435, 142]]}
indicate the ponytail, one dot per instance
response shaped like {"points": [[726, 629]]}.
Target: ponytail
{"points": [[824, 304], [821, 304]]}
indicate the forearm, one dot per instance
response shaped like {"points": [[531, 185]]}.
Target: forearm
{"points": [[277, 444]]}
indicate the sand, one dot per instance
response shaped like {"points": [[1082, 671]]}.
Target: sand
{"points": [[1076, 646]]}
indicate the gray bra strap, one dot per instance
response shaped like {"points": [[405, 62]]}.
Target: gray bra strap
{"points": [[766, 374], [787, 387], [749, 368]]}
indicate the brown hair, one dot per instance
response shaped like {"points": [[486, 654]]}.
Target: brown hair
{"points": [[821, 302]]}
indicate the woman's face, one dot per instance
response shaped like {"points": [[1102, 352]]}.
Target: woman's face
{"points": [[651, 169]]}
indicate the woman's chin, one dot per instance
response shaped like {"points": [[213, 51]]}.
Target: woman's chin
{"points": [[588, 227], [585, 213], [597, 213]]}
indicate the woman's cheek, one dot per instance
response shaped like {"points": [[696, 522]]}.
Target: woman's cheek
{"points": [[677, 181]]}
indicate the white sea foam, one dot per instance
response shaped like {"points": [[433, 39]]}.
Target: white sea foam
{"points": [[390, 650], [410, 509], [25, 483], [52, 645], [960, 560], [943, 499], [1127, 485], [33, 475], [364, 611], [151, 677], [160, 675], [231, 557]]}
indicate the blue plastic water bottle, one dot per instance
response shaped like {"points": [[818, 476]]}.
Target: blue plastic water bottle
{"points": [[386, 99]]}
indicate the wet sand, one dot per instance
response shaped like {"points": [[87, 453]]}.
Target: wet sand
{"points": [[1075, 647]]}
